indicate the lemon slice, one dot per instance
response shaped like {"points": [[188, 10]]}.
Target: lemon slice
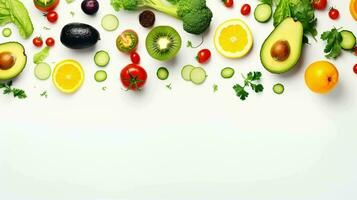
{"points": [[68, 76], [233, 39]]}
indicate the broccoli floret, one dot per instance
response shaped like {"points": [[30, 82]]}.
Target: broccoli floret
{"points": [[195, 14], [186, 6], [197, 22]]}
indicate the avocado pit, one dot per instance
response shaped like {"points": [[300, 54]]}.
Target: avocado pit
{"points": [[7, 60], [280, 51]]}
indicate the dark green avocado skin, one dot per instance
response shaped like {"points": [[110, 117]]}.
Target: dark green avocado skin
{"points": [[79, 36]]}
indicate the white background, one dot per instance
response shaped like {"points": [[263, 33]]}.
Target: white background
{"points": [[184, 143]]}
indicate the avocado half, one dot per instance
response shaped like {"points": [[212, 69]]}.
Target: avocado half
{"points": [[290, 31], [17, 51]]}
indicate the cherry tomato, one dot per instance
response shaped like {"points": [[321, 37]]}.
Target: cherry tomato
{"points": [[228, 3], [334, 13], [50, 42], [356, 51], [245, 10], [133, 77], [37, 41], [135, 57], [319, 4], [203, 56], [52, 16], [355, 69]]}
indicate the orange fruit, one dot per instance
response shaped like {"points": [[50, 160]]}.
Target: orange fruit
{"points": [[353, 9], [321, 77], [68, 76]]}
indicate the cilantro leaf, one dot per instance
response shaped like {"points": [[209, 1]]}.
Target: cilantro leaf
{"points": [[257, 87], [249, 81], [241, 93]]}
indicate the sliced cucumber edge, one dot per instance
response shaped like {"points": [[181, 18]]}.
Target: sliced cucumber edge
{"points": [[263, 12], [162, 73]]}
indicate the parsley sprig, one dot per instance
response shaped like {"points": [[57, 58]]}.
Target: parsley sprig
{"points": [[249, 81], [8, 89], [333, 48]]}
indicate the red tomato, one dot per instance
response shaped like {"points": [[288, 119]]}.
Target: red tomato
{"points": [[45, 7], [133, 77], [355, 69], [135, 57], [228, 3], [356, 51], [37, 41], [203, 56], [319, 4], [334, 13], [245, 10], [50, 42], [52, 16]]}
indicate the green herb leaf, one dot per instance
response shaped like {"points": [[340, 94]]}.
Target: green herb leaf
{"points": [[240, 92], [190, 45], [17, 93], [215, 88], [257, 88], [333, 47], [169, 86], [254, 76], [249, 82], [44, 94]]}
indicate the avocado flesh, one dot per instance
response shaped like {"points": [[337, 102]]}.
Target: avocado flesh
{"points": [[18, 52], [288, 30]]}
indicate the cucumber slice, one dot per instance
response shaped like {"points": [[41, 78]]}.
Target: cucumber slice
{"points": [[6, 32], [100, 76], [186, 71], [43, 71], [263, 12], [198, 75], [278, 88], [348, 40], [162, 73], [110, 22], [101, 58], [227, 72]]}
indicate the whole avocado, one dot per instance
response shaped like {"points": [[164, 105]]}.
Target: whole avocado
{"points": [[79, 36]]}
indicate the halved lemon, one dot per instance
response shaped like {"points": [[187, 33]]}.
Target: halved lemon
{"points": [[353, 9], [233, 39], [68, 76]]}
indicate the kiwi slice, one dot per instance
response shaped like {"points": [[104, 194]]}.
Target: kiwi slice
{"points": [[163, 43]]}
